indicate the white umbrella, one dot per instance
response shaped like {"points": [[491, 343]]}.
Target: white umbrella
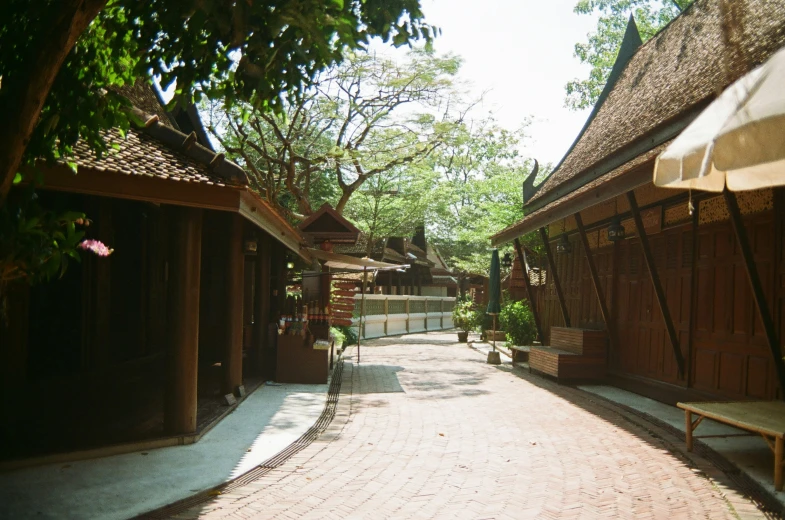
{"points": [[739, 140]]}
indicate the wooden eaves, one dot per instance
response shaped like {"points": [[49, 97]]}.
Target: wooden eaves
{"points": [[236, 199]]}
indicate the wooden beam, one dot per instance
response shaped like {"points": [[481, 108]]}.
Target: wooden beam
{"points": [[655, 281], [555, 275], [757, 288], [183, 320], [529, 290], [235, 279], [595, 279], [137, 187]]}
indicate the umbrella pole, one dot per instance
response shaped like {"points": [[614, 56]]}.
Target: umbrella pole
{"points": [[494, 333]]}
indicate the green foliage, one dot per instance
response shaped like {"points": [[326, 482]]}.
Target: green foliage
{"points": [[465, 316], [369, 117], [392, 203], [479, 194], [603, 45], [36, 244], [517, 321], [259, 52], [340, 337], [349, 337]]}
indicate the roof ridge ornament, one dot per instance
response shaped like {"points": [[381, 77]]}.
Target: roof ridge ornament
{"points": [[529, 189], [630, 44]]}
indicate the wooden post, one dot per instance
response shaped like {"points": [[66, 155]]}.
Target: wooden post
{"points": [[386, 314], [757, 288], [407, 314], [183, 320], [261, 306], [529, 290], [555, 275], [655, 282], [233, 360], [595, 279]]}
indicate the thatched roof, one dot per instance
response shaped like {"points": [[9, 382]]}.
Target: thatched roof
{"points": [[684, 66]]}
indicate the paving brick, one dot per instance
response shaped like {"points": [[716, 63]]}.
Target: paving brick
{"points": [[426, 429]]}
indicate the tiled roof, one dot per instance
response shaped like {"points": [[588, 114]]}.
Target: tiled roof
{"points": [[142, 95], [679, 68], [360, 247], [140, 154]]}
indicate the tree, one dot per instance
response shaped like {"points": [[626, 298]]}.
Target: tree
{"points": [[392, 203], [366, 117], [61, 59], [603, 45], [479, 193]]}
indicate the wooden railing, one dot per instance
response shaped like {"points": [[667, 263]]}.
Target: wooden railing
{"points": [[389, 315]]}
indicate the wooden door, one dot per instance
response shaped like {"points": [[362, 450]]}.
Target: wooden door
{"points": [[645, 348], [731, 356]]}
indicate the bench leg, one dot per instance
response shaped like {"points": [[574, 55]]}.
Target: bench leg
{"points": [[688, 430], [778, 449]]}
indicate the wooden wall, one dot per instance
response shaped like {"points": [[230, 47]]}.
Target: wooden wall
{"points": [[709, 298]]}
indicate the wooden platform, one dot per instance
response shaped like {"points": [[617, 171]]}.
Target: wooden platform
{"points": [[766, 418], [573, 354]]}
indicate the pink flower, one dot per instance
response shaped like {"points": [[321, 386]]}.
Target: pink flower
{"points": [[96, 246]]}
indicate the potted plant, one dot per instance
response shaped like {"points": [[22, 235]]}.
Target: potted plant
{"points": [[464, 317]]}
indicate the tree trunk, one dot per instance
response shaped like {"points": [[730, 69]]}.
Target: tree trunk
{"points": [[345, 196], [22, 96]]}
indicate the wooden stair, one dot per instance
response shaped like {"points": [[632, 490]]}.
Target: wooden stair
{"points": [[573, 354]]}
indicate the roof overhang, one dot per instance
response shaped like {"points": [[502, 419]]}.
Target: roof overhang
{"points": [[90, 181], [351, 263], [569, 205]]}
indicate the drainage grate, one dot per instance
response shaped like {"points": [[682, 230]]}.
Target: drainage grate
{"points": [[265, 467]]}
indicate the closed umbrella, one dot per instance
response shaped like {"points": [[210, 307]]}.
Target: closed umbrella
{"points": [[738, 140], [494, 292]]}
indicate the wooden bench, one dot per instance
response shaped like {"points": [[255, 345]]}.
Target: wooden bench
{"points": [[766, 418], [574, 354]]}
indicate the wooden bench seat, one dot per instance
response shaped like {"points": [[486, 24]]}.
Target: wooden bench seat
{"points": [[766, 418], [563, 364], [574, 354]]}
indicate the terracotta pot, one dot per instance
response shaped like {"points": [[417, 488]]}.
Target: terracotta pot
{"points": [[463, 337]]}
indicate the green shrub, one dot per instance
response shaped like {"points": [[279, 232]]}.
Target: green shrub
{"points": [[464, 316], [347, 333], [518, 322]]}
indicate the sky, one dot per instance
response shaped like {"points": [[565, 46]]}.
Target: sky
{"points": [[521, 52]]}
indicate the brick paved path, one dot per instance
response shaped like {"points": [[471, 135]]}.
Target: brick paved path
{"points": [[425, 429]]}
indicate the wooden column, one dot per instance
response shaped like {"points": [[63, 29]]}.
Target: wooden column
{"points": [[555, 275], [183, 320], [261, 305], [757, 288], [529, 291], [233, 358], [655, 282]]}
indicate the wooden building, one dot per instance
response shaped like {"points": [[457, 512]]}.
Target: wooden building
{"points": [[146, 342], [676, 296]]}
